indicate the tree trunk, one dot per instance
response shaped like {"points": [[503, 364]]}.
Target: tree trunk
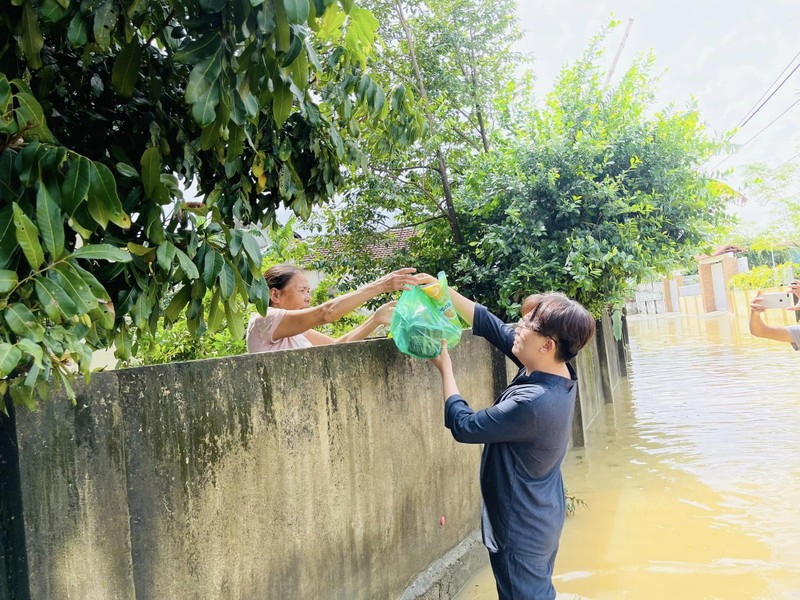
{"points": [[450, 211]]}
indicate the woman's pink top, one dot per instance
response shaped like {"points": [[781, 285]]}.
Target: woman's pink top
{"points": [[261, 329]]}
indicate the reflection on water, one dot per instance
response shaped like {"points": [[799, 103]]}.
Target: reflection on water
{"points": [[692, 478]]}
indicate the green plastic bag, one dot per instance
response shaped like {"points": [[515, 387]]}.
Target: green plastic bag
{"points": [[419, 323]]}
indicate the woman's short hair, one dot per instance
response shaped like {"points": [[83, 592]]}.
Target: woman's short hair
{"points": [[566, 321], [280, 275]]}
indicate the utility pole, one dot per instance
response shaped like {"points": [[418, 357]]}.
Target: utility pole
{"points": [[619, 52]]}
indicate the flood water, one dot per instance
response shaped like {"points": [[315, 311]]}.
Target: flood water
{"points": [[692, 477]]}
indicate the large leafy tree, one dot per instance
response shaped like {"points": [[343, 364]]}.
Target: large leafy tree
{"points": [[603, 192], [109, 108], [455, 58], [587, 192]]}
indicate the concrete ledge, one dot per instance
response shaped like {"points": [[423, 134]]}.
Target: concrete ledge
{"points": [[446, 577]]}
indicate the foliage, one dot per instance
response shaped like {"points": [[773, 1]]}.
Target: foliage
{"points": [[587, 193], [107, 109], [774, 190], [177, 343], [763, 277], [456, 58]]}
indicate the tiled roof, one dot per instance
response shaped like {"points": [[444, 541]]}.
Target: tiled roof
{"points": [[397, 240]]}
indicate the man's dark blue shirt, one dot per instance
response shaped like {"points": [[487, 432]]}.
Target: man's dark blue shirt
{"points": [[525, 433]]}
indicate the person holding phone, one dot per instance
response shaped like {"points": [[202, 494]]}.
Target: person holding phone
{"points": [[789, 334], [525, 435]]}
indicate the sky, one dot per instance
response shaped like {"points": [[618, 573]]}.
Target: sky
{"points": [[723, 53]]}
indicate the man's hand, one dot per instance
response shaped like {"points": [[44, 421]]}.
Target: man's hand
{"points": [[443, 362]]}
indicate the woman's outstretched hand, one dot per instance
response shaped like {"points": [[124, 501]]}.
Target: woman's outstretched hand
{"points": [[397, 280], [384, 313]]}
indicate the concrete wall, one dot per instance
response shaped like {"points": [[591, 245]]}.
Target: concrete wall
{"points": [[319, 473]]}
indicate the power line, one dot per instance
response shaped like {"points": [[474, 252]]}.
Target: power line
{"points": [[771, 95], [786, 162], [741, 124], [763, 129]]}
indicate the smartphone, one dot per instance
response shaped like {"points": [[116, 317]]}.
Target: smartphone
{"points": [[777, 300]]}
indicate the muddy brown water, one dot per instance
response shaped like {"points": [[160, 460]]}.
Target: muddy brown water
{"points": [[692, 477]]}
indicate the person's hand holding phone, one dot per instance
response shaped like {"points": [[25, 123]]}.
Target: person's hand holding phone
{"points": [[757, 304]]}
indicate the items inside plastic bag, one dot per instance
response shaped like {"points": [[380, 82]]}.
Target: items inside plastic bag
{"points": [[423, 317]]}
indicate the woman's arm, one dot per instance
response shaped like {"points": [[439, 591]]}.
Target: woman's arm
{"points": [[382, 316], [300, 321]]}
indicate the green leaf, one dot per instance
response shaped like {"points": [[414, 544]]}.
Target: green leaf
{"points": [[235, 321], [76, 185], [105, 18], [125, 73], [213, 262], [203, 89], [32, 349], [64, 380], [104, 199], [178, 302], [9, 358], [8, 281], [51, 222], [22, 396], [253, 252], [165, 254], [151, 171], [186, 264], [54, 300], [281, 102], [215, 313], [95, 286], [76, 34], [52, 11], [30, 116], [204, 110], [107, 315], [141, 310], [226, 280], [8, 236], [32, 40], [126, 170], [28, 238], [284, 28], [22, 322], [296, 11], [76, 289], [105, 252], [201, 48], [7, 176]]}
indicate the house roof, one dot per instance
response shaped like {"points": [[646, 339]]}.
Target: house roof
{"points": [[395, 240]]}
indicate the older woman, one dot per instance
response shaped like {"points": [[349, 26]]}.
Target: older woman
{"points": [[290, 319]]}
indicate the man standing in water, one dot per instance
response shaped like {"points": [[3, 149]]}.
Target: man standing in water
{"points": [[525, 434], [789, 334]]}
